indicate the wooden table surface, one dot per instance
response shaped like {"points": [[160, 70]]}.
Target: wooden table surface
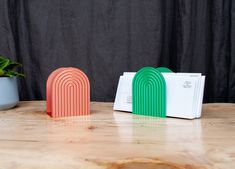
{"points": [[29, 139]]}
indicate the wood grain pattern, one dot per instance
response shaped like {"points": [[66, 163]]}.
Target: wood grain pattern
{"points": [[30, 139]]}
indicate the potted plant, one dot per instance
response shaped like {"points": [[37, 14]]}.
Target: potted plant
{"points": [[9, 96]]}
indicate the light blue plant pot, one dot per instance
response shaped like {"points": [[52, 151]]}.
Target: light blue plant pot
{"points": [[9, 96]]}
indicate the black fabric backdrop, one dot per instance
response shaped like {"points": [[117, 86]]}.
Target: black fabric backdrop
{"points": [[104, 38]]}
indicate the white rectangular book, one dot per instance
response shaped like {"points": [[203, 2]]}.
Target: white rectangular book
{"points": [[123, 99], [184, 93]]}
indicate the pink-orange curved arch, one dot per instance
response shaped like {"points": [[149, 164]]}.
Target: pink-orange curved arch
{"points": [[70, 93], [48, 88]]}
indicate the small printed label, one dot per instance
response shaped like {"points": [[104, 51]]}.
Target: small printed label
{"points": [[129, 99], [187, 84]]}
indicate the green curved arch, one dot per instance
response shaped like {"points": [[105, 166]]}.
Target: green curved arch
{"points": [[149, 93], [164, 70]]}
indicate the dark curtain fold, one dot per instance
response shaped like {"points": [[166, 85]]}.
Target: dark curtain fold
{"points": [[104, 38]]}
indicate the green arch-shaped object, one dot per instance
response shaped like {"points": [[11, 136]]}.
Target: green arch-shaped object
{"points": [[164, 70], [149, 93]]}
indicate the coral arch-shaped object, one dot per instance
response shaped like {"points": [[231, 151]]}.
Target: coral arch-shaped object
{"points": [[68, 93]]}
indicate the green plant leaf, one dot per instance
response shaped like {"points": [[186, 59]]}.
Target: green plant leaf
{"points": [[19, 74], [12, 74], [12, 65], [7, 68], [2, 72], [4, 62]]}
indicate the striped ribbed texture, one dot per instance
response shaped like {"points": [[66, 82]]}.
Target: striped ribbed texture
{"points": [[149, 93], [68, 93]]}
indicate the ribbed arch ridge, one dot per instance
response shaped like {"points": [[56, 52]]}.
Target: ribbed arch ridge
{"points": [[68, 93], [149, 93]]}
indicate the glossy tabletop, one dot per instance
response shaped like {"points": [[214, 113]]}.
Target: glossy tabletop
{"points": [[30, 139]]}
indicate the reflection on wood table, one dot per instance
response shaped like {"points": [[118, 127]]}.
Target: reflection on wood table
{"points": [[30, 139]]}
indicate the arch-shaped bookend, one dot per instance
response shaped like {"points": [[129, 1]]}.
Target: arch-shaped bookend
{"points": [[164, 70], [149, 92], [68, 93]]}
